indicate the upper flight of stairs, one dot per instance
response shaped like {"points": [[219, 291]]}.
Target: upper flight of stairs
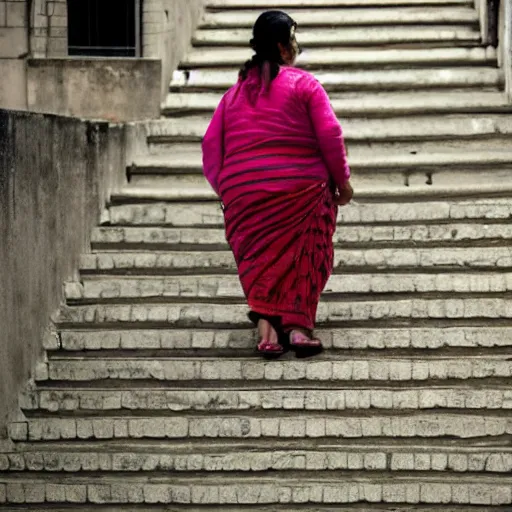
{"points": [[150, 397]]}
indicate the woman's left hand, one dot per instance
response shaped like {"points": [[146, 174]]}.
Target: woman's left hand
{"points": [[344, 196]]}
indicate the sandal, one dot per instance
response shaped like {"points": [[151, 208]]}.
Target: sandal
{"points": [[270, 350], [305, 346]]}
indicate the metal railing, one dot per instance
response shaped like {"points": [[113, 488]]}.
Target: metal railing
{"points": [[496, 28]]}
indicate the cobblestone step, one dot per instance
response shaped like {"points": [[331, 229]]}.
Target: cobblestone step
{"points": [[474, 396], [314, 488], [339, 58], [349, 17], [242, 341], [208, 371], [428, 211], [364, 105], [373, 507], [429, 260], [209, 80], [138, 456], [203, 288], [406, 312], [421, 36], [270, 424], [355, 237]]}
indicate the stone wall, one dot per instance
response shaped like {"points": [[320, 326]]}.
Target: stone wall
{"points": [[14, 45], [168, 26], [55, 177]]}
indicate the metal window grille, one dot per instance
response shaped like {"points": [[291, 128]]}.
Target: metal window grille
{"points": [[104, 28]]}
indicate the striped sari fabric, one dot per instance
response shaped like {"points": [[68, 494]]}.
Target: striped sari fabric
{"points": [[275, 157]]}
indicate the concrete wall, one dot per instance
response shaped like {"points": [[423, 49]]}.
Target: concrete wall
{"points": [[112, 89], [55, 176], [14, 46], [38, 28], [168, 26]]}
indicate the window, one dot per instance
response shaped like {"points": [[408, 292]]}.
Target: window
{"points": [[104, 28]]}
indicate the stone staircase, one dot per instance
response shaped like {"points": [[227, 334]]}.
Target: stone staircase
{"points": [[151, 397]]}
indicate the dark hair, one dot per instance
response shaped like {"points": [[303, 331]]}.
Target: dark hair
{"points": [[271, 28]]}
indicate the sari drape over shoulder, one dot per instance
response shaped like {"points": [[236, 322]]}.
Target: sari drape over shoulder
{"points": [[275, 155]]}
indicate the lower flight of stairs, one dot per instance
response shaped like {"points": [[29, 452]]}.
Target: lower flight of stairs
{"points": [[151, 397]]}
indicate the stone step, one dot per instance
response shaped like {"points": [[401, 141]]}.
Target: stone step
{"points": [[331, 58], [439, 259], [374, 507], [209, 214], [473, 396], [180, 182], [385, 169], [258, 375], [202, 288], [272, 425], [244, 490], [366, 105], [438, 128], [237, 342], [210, 80], [220, 457], [155, 238], [342, 17], [419, 189], [420, 36], [390, 312], [321, 4], [186, 163]]}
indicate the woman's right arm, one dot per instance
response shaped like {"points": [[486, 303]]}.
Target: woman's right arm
{"points": [[328, 133]]}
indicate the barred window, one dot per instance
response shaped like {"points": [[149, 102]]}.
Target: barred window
{"points": [[104, 28]]}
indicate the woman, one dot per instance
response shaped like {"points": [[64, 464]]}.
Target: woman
{"points": [[274, 153]]}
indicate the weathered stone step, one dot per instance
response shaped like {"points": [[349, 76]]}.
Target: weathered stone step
{"points": [[330, 58], [321, 4], [270, 424], [436, 179], [202, 288], [371, 366], [187, 165], [420, 35], [407, 312], [209, 214], [244, 341], [373, 507], [241, 490], [372, 80], [349, 17], [347, 236], [139, 456], [366, 105], [370, 507], [85, 402], [416, 190], [358, 131], [382, 260]]}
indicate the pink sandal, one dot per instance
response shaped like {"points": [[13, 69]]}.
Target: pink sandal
{"points": [[303, 345], [270, 350]]}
